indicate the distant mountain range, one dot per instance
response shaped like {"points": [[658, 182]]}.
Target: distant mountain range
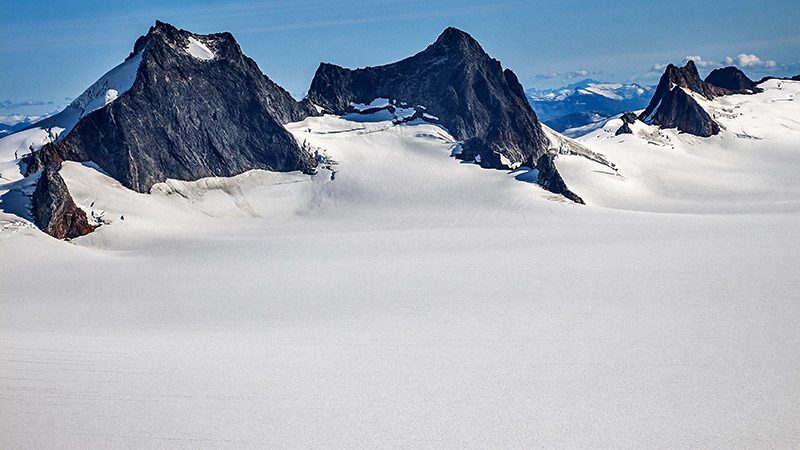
{"points": [[586, 102], [13, 123]]}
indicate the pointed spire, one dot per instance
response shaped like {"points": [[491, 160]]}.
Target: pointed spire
{"points": [[454, 39]]}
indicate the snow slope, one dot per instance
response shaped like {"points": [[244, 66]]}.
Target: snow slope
{"points": [[104, 91], [750, 167], [401, 298]]}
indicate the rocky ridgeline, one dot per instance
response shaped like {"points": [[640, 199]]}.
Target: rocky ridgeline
{"points": [[673, 105], [732, 80], [470, 93]]}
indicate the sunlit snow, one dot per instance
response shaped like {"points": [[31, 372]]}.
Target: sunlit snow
{"points": [[199, 50], [402, 297]]}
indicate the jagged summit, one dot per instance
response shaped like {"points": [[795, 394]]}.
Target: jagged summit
{"points": [[453, 34], [688, 77], [685, 77], [197, 107], [455, 80], [454, 40], [732, 79], [218, 48], [672, 105]]}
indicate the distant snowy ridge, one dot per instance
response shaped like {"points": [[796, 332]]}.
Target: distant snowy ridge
{"points": [[586, 102]]}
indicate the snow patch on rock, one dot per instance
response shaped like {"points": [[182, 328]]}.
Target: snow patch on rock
{"points": [[199, 50]]}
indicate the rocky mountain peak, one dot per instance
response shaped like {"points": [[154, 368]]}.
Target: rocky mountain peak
{"points": [[672, 105], [687, 77], [732, 79], [456, 81], [453, 40], [470, 94], [197, 107]]}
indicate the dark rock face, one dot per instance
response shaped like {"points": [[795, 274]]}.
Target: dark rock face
{"points": [[629, 118], [550, 179], [672, 107], [679, 110], [53, 209], [624, 129], [187, 118], [732, 79], [796, 78], [473, 97]]}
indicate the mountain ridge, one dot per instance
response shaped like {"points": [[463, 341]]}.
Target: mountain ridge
{"points": [[672, 107], [477, 100]]}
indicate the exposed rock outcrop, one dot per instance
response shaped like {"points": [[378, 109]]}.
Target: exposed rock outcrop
{"points": [[624, 129], [474, 98], [198, 107], [550, 179], [673, 107], [53, 209], [629, 118], [733, 80]]}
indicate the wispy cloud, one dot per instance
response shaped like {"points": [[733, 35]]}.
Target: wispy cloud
{"points": [[11, 104], [702, 63], [567, 75], [750, 60], [12, 119], [12, 111], [747, 61]]}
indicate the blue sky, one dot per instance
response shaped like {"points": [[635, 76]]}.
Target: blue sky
{"points": [[52, 50]]}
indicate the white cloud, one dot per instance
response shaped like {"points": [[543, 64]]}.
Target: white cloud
{"points": [[658, 67], [743, 60], [568, 75], [750, 60], [752, 64], [701, 63]]}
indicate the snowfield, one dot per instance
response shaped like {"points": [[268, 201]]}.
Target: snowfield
{"points": [[402, 298], [751, 166]]}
